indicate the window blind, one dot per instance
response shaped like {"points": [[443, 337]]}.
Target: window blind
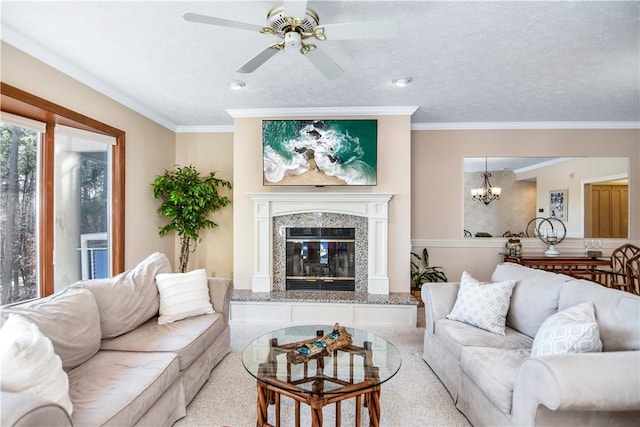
{"points": [[23, 122], [85, 134]]}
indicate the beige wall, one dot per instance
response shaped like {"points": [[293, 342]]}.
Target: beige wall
{"points": [[150, 147], [437, 176], [394, 159], [211, 152]]}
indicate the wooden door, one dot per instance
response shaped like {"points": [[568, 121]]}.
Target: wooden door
{"points": [[606, 211]]}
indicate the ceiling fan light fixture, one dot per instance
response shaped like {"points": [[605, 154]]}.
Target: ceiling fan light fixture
{"points": [[402, 82], [237, 84], [281, 23], [293, 40], [294, 23]]}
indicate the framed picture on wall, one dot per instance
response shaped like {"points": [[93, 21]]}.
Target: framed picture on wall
{"points": [[558, 201], [320, 152]]}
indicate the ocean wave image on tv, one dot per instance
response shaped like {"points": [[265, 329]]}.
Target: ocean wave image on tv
{"points": [[320, 152]]}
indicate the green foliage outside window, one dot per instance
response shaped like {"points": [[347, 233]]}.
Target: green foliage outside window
{"points": [[18, 181]]}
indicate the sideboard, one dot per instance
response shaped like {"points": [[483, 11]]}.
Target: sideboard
{"points": [[576, 265]]}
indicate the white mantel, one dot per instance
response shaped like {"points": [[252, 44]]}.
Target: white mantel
{"points": [[373, 206]]}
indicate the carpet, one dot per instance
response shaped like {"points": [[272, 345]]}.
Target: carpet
{"points": [[413, 397]]}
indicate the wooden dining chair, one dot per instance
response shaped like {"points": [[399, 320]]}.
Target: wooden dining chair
{"points": [[616, 276], [633, 274]]}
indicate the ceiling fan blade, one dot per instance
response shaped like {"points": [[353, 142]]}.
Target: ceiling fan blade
{"points": [[221, 22], [368, 30], [324, 63], [295, 8], [262, 57]]}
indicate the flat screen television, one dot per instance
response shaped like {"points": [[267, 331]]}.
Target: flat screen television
{"points": [[320, 152]]}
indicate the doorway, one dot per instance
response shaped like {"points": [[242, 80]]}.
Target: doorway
{"points": [[606, 209]]}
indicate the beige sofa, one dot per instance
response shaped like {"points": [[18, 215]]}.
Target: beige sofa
{"points": [[123, 367], [494, 380]]}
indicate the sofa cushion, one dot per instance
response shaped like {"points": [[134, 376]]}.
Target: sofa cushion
{"points": [[131, 298], [572, 330], [534, 298], [188, 337], [617, 313], [494, 371], [456, 335], [183, 295], [484, 305], [117, 388], [29, 365], [70, 319]]}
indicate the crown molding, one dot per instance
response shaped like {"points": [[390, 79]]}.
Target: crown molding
{"points": [[416, 126], [524, 125], [323, 111], [205, 129], [544, 164]]}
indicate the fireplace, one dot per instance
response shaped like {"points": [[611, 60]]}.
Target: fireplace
{"points": [[324, 228], [363, 211], [320, 258]]}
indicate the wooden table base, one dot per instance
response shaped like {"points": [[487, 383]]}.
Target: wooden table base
{"points": [[271, 388], [268, 394]]}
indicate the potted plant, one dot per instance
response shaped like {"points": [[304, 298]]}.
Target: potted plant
{"points": [[422, 272], [187, 200]]}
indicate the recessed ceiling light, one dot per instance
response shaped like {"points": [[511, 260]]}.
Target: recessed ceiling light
{"points": [[402, 82], [237, 84]]}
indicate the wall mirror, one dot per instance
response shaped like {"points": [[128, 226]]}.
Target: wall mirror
{"points": [[589, 194]]}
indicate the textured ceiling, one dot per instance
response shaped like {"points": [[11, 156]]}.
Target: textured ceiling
{"points": [[475, 61]]}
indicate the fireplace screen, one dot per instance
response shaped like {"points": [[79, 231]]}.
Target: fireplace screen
{"points": [[320, 258]]}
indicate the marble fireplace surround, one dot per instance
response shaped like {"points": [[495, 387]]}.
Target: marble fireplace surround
{"points": [[321, 220], [373, 206]]}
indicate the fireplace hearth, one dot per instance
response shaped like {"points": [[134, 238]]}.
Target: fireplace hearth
{"points": [[320, 258]]}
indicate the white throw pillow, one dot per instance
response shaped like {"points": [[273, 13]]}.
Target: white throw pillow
{"points": [[573, 330], [484, 305], [28, 364], [183, 295]]}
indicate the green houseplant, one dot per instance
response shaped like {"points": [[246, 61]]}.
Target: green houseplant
{"points": [[187, 200], [422, 272]]}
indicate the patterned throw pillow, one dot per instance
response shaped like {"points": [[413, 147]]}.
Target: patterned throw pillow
{"points": [[484, 305], [573, 330]]}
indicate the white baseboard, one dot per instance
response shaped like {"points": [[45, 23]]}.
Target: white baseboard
{"points": [[323, 313]]}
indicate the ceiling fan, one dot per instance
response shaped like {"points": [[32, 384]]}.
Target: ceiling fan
{"points": [[298, 26]]}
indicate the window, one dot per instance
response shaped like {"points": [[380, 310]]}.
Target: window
{"points": [[61, 197], [81, 203], [19, 148]]}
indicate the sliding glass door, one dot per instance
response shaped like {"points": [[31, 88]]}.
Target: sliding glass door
{"points": [[81, 206], [82, 188]]}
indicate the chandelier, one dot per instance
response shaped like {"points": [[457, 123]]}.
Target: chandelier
{"points": [[486, 193]]}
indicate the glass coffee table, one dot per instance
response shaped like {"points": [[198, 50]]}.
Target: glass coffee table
{"points": [[356, 370]]}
